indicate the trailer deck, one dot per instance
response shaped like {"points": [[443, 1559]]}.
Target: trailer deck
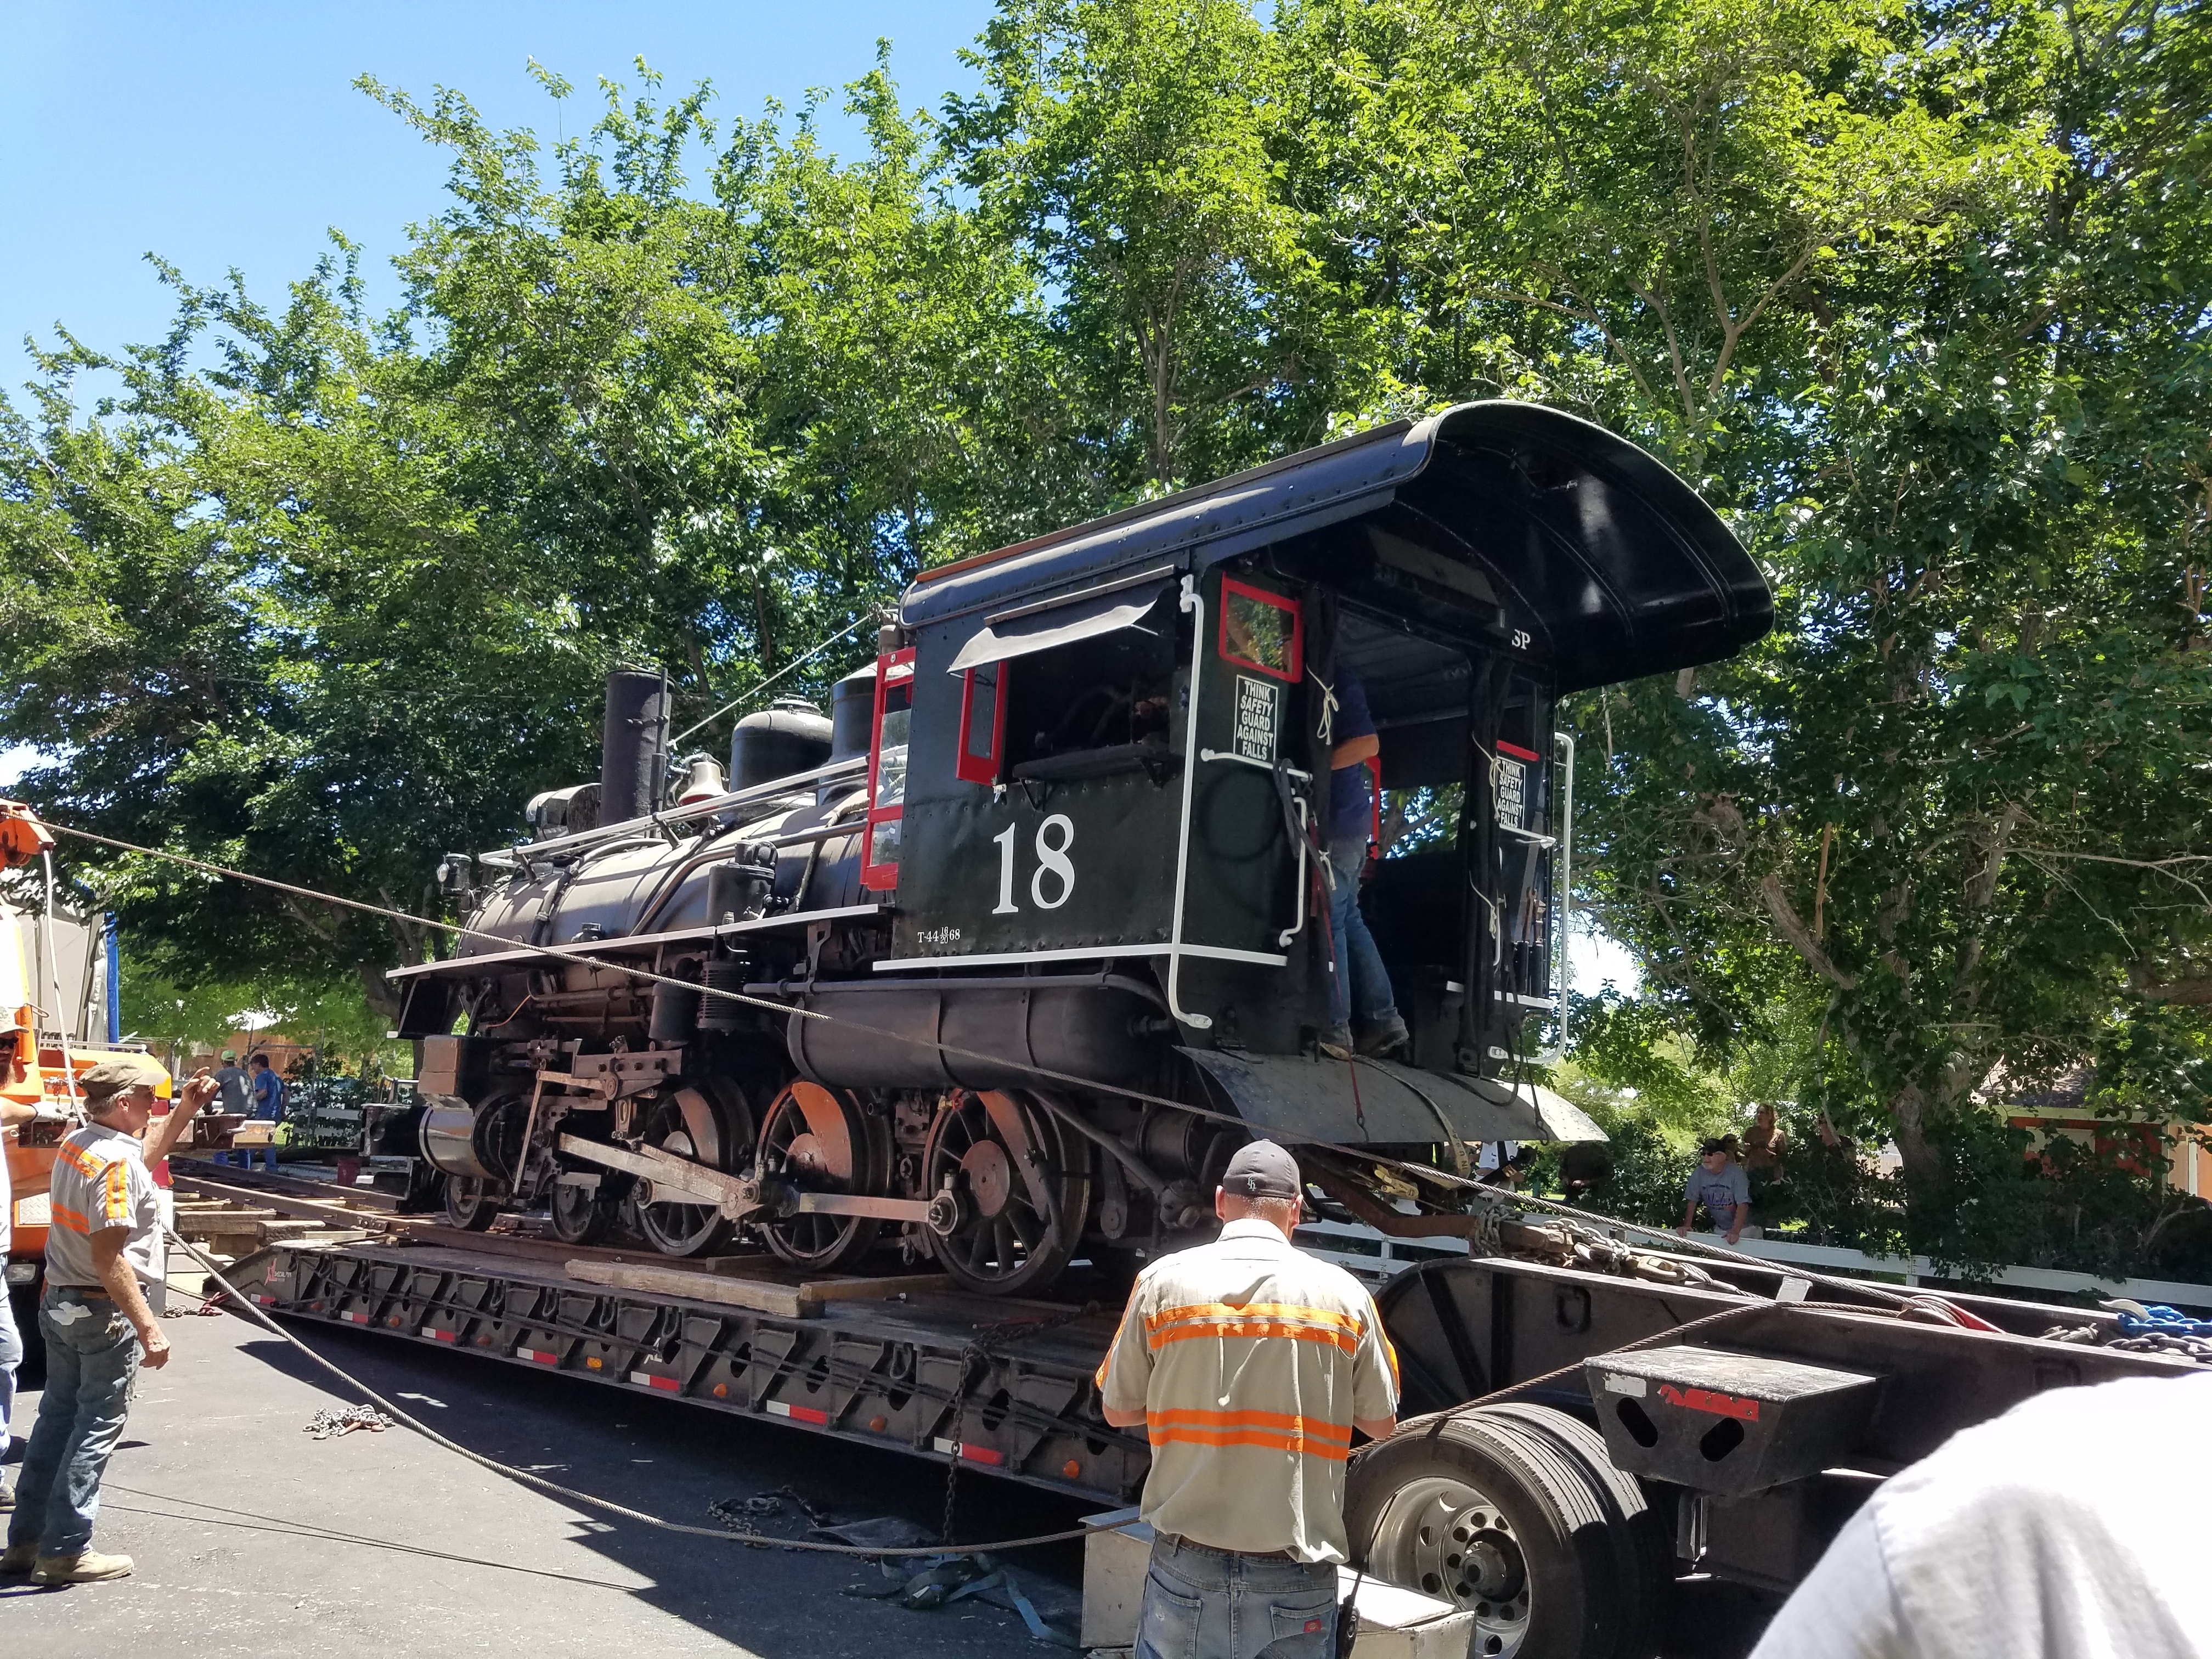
{"points": [[993, 1384], [1735, 1451]]}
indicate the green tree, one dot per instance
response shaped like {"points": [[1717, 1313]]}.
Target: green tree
{"points": [[1124, 146]]}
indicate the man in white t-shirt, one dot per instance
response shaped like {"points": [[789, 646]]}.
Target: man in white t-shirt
{"points": [[2071, 1528]]}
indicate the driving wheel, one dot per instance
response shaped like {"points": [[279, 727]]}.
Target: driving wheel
{"points": [[821, 1141], [707, 1123], [583, 1214], [1019, 1185], [469, 1203]]}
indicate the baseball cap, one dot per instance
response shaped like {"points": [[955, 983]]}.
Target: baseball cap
{"points": [[111, 1077], [1261, 1170]]}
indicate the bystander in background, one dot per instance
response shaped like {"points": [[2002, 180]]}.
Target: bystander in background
{"points": [[267, 1089], [1718, 1186]]}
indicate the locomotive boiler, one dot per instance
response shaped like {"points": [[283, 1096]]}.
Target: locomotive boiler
{"points": [[1049, 875]]}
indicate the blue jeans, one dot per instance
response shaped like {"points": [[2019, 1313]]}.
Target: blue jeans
{"points": [[11, 1356], [1201, 1604], [1360, 984], [92, 1355]]}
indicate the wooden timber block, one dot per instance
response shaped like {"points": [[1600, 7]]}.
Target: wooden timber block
{"points": [[276, 1232], [878, 1288], [222, 1226], [785, 1301]]}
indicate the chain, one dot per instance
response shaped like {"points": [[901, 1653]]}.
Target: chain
{"points": [[981, 1350]]}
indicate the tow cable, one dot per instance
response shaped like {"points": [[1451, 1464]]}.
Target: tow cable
{"points": [[394, 1413]]}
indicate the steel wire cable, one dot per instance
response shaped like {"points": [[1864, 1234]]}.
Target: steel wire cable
{"points": [[1423, 1171], [608, 1505], [746, 697]]}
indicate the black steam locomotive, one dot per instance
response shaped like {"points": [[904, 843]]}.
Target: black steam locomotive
{"points": [[1058, 847]]}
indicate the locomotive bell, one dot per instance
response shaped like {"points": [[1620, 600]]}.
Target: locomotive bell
{"points": [[704, 781]]}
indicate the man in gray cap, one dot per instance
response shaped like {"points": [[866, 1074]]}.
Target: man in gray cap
{"points": [[97, 1327], [1248, 1363]]}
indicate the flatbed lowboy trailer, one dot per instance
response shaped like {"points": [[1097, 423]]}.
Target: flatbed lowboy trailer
{"points": [[1635, 1425]]}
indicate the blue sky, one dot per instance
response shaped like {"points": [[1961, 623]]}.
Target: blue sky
{"points": [[223, 136], [228, 135]]}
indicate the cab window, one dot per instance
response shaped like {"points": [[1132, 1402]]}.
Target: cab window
{"points": [[887, 768], [1261, 630]]}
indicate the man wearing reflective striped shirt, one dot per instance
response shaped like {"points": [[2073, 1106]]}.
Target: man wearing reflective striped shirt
{"points": [[94, 1316], [1248, 1364]]}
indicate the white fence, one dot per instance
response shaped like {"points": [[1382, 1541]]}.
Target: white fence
{"points": [[1375, 1256]]}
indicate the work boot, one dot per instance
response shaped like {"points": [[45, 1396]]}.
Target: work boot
{"points": [[20, 1561], [1336, 1042], [1385, 1035], [7, 1499], [85, 1567]]}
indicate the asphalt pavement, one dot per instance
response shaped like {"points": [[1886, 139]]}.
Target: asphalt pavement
{"points": [[251, 1538]]}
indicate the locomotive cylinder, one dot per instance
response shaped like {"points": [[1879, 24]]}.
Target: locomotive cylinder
{"points": [[449, 1138]]}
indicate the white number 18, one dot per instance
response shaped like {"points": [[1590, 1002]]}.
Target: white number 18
{"points": [[1052, 860]]}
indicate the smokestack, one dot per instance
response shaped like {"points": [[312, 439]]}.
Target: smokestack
{"points": [[635, 744]]}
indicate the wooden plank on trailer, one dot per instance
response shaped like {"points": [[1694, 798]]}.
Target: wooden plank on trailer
{"points": [[879, 1288], [785, 1301]]}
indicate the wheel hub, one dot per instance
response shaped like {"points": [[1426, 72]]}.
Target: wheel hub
{"points": [[807, 1155], [1446, 1539], [990, 1177]]}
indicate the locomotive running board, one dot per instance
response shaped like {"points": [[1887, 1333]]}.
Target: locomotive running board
{"points": [[1387, 1103]]}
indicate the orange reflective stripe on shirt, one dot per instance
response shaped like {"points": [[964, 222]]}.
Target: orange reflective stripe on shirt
{"points": [[1343, 1341], [70, 1220], [78, 1159], [1252, 1311], [1298, 1321], [1270, 1430], [115, 1197]]}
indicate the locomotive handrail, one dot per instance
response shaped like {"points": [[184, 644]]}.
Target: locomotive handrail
{"points": [[685, 811], [1175, 1009], [1246, 760], [587, 949], [1563, 896]]}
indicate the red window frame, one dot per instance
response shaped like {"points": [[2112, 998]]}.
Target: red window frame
{"points": [[893, 668], [1230, 585], [973, 768]]}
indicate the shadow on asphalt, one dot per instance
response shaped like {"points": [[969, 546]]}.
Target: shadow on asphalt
{"points": [[674, 1461]]}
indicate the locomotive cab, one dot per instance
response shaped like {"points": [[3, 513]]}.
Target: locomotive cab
{"points": [[1119, 743]]}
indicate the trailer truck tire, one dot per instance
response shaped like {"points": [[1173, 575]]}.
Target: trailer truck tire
{"points": [[1644, 1551], [1506, 1517]]}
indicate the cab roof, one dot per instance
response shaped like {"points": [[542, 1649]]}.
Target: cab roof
{"points": [[1620, 566]]}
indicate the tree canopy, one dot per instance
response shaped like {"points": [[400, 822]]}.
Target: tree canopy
{"points": [[1917, 293]]}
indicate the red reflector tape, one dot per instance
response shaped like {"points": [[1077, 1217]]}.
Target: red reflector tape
{"points": [[798, 1413], [433, 1332], [973, 1453], [537, 1355], [266, 1301], [1708, 1400], [355, 1318], [647, 1380]]}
